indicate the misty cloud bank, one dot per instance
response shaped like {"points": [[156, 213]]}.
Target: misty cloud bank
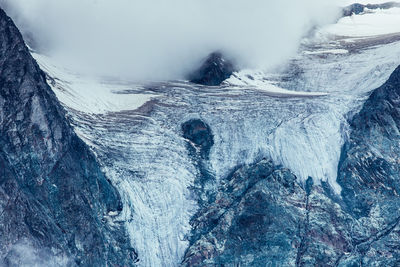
{"points": [[159, 39], [25, 254]]}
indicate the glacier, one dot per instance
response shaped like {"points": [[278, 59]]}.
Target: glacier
{"points": [[295, 114]]}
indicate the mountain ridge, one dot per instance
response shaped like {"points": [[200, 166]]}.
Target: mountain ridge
{"points": [[53, 192]]}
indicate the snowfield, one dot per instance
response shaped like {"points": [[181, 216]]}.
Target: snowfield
{"points": [[89, 94], [371, 23]]}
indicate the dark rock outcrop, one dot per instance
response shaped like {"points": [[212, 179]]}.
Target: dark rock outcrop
{"points": [[199, 143], [53, 194], [200, 135], [213, 71], [262, 216], [360, 8], [370, 158], [369, 174]]}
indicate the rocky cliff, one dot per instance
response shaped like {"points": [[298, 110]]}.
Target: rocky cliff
{"points": [[369, 175], [213, 71], [53, 195]]}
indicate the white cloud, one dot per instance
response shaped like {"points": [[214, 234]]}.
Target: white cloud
{"points": [[25, 254], [160, 39]]}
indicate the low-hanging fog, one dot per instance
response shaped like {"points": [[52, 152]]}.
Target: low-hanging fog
{"points": [[164, 39]]}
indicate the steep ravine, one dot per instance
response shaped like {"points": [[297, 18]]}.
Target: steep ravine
{"points": [[56, 206]]}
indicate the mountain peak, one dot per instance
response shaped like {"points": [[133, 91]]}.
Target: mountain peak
{"points": [[214, 70]]}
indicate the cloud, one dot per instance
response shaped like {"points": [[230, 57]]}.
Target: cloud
{"points": [[160, 39], [25, 254]]}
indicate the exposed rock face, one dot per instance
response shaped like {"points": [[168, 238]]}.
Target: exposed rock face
{"points": [[262, 216], [369, 174], [199, 133], [52, 192], [200, 140], [360, 8], [215, 69]]}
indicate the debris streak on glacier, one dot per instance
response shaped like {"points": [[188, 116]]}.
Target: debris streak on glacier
{"points": [[144, 154]]}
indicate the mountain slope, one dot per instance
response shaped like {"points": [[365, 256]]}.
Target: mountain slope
{"points": [[220, 174], [262, 214], [370, 176], [53, 195]]}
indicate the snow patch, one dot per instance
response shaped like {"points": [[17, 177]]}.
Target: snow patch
{"points": [[256, 80], [89, 94], [331, 51], [375, 22]]}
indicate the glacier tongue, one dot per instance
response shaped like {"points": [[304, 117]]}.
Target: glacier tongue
{"points": [[144, 154], [146, 160]]}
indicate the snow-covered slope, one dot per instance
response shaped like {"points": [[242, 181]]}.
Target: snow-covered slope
{"points": [[89, 94], [370, 23], [295, 115]]}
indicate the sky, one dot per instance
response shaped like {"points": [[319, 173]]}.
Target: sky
{"points": [[160, 39]]}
